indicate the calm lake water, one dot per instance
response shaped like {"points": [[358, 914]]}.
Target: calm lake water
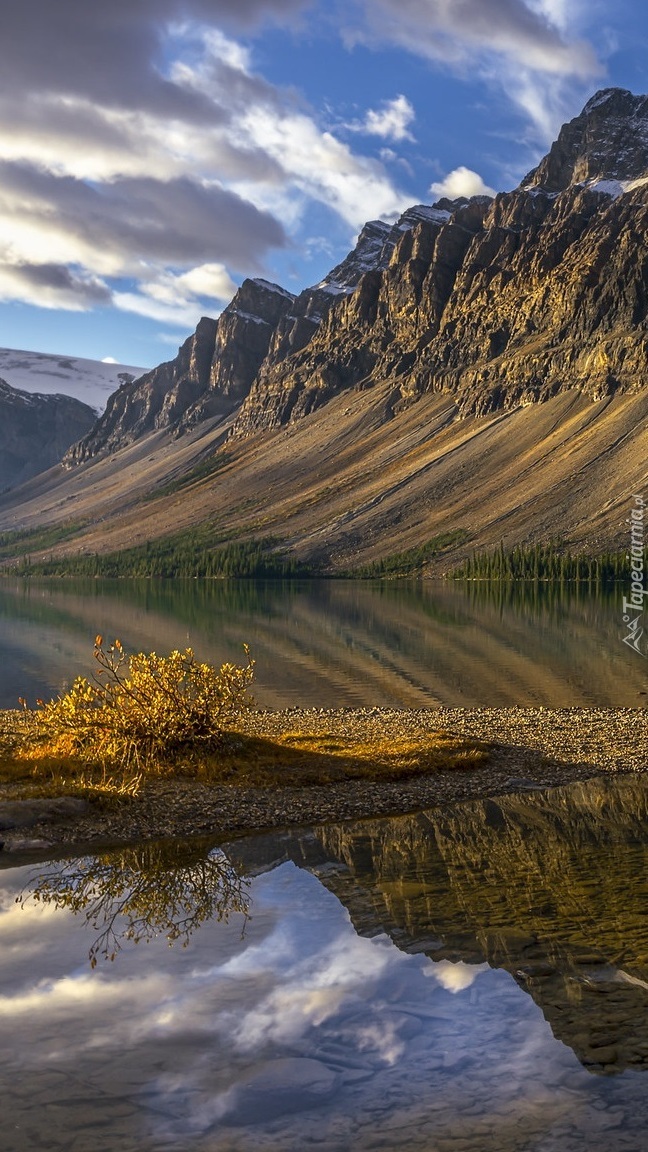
{"points": [[474, 980], [335, 643]]}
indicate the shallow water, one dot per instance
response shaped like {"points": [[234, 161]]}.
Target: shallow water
{"points": [[336, 643], [471, 981]]}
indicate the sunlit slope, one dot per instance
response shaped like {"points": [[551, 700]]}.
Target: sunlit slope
{"points": [[343, 486]]}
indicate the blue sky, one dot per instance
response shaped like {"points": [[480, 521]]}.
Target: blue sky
{"points": [[154, 154]]}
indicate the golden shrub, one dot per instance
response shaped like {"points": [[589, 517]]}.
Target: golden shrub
{"points": [[144, 711]]}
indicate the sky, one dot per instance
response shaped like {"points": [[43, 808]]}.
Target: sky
{"points": [[154, 153], [180, 1035]]}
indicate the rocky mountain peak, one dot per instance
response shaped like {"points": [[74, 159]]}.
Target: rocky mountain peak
{"points": [[366, 254], [376, 244], [260, 299], [243, 336], [607, 142]]}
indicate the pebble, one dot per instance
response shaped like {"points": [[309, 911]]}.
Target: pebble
{"points": [[530, 748]]}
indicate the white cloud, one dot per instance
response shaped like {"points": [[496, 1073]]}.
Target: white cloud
{"points": [[180, 299], [321, 167], [543, 102], [125, 184], [559, 13], [180, 314], [455, 976], [210, 280], [392, 121], [513, 44], [461, 181], [457, 30], [52, 285]]}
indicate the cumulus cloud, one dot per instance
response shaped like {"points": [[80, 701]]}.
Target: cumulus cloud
{"points": [[322, 167], [116, 226], [461, 181], [392, 121], [455, 976], [52, 286], [514, 43], [175, 299], [452, 30], [144, 162]]}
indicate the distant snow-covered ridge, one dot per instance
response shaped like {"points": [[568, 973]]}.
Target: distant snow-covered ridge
{"points": [[91, 381]]}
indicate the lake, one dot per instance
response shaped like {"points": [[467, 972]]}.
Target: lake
{"points": [[335, 643], [472, 980]]}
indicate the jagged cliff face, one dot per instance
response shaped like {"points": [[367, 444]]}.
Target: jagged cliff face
{"points": [[242, 338], [35, 431], [157, 397], [381, 330], [228, 359], [421, 362], [210, 376], [503, 302], [500, 303]]}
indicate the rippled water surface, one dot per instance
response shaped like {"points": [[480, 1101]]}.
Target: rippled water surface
{"points": [[474, 980], [336, 643]]}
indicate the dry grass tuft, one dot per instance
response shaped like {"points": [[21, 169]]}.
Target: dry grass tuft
{"points": [[295, 758], [171, 716], [291, 759], [143, 716]]}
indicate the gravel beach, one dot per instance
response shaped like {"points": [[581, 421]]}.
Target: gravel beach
{"points": [[530, 747]]}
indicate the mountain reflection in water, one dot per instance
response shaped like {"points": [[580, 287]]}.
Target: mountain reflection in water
{"points": [[550, 886], [335, 643], [375, 985]]}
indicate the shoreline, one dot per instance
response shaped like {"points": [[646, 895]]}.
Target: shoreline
{"points": [[531, 748]]}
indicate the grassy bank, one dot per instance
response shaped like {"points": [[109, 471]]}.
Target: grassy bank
{"points": [[290, 759]]}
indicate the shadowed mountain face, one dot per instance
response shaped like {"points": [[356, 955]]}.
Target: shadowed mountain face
{"points": [[608, 141], [359, 414], [549, 886], [35, 431]]}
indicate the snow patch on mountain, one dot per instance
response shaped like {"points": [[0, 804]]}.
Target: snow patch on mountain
{"points": [[249, 316], [614, 188], [90, 381], [375, 246], [271, 287], [536, 190], [420, 212], [602, 97], [337, 289]]}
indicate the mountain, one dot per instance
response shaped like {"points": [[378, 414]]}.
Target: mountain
{"points": [[474, 372], [607, 143], [36, 430], [212, 373], [264, 325], [90, 381]]}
